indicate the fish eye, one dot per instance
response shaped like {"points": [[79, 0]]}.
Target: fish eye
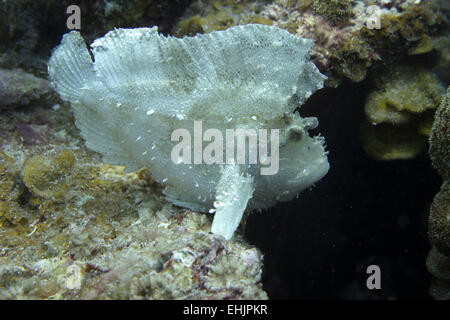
{"points": [[295, 133]]}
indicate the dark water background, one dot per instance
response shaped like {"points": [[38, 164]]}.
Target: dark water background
{"points": [[362, 212]]}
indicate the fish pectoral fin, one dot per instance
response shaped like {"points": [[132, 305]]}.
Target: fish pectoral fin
{"points": [[70, 67], [232, 194]]}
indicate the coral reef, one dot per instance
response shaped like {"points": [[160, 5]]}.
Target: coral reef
{"points": [[398, 112], [402, 32], [336, 11], [439, 267], [439, 138], [439, 220], [73, 228], [438, 261], [401, 94], [66, 219], [218, 15], [345, 48]]}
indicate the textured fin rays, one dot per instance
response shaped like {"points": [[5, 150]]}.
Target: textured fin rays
{"points": [[137, 63], [70, 67]]}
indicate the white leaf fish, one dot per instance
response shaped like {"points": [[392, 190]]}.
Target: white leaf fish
{"points": [[133, 88]]}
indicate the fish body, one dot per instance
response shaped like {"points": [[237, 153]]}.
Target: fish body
{"points": [[137, 95]]}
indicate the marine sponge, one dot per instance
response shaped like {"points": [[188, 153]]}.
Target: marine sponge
{"points": [[143, 86], [402, 94], [46, 177], [399, 113]]}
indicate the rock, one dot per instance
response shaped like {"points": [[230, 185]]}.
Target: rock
{"points": [[19, 88]]}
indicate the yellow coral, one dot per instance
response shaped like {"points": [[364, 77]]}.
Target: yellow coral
{"points": [[380, 108], [387, 142], [400, 111], [404, 93]]}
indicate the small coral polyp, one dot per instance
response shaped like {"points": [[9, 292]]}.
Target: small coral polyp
{"points": [[143, 86]]}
